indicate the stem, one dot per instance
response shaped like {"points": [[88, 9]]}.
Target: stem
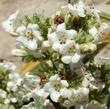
{"points": [[69, 1]]}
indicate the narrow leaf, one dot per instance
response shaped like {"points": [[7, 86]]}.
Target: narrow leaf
{"points": [[29, 66], [105, 16], [107, 2]]}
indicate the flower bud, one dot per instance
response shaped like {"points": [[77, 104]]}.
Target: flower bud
{"points": [[88, 47], [46, 44]]}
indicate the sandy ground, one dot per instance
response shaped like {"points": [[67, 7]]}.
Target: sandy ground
{"points": [[7, 43]]}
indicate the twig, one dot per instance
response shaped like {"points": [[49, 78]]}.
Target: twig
{"points": [[69, 1]]}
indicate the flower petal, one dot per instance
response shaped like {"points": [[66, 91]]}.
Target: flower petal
{"points": [[66, 93], [33, 27], [30, 44], [48, 87], [66, 59], [68, 8], [64, 83], [54, 78], [85, 82], [80, 9], [56, 46], [75, 58], [8, 24], [37, 35], [71, 34], [41, 93], [52, 37], [21, 30], [61, 28], [93, 31], [55, 96]]}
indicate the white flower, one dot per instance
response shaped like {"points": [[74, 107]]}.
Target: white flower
{"points": [[8, 65], [19, 52], [88, 78], [29, 36], [15, 81], [13, 100], [67, 103], [3, 94], [31, 82], [46, 44], [77, 9], [59, 38], [96, 105], [66, 93], [79, 96], [6, 101], [30, 44], [65, 97], [55, 86], [41, 95], [103, 27], [71, 52], [89, 81], [8, 24], [94, 33], [95, 14]]}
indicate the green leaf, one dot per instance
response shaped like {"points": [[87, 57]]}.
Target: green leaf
{"points": [[38, 105], [3, 78], [107, 2], [105, 16]]}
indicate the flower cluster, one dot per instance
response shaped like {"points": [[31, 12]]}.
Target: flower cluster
{"points": [[54, 51]]}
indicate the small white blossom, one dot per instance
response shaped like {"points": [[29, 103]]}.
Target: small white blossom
{"points": [[46, 44], [70, 52], [8, 65], [94, 33], [13, 100], [95, 14], [41, 95], [88, 78], [8, 24], [79, 96], [29, 36], [55, 86], [6, 101], [15, 81], [59, 38], [3, 94], [77, 9], [96, 105], [91, 82], [103, 27], [30, 44]]}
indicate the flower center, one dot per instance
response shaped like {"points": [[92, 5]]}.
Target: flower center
{"points": [[57, 86], [62, 40], [29, 34], [71, 50]]}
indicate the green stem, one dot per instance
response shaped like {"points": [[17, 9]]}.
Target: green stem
{"points": [[69, 1]]}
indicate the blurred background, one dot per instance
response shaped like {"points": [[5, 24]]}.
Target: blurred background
{"points": [[47, 7]]}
